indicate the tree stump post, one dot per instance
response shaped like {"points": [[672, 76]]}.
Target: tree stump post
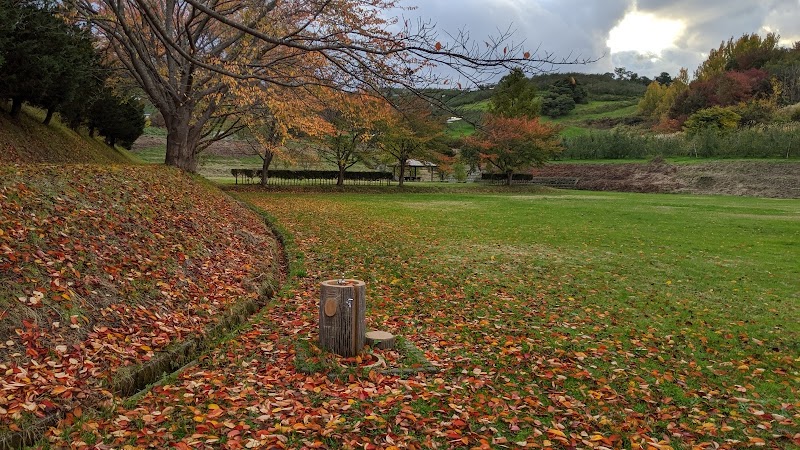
{"points": [[342, 310]]}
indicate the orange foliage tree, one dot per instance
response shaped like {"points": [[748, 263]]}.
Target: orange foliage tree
{"points": [[514, 143], [276, 114]]}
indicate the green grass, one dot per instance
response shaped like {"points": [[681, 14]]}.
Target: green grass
{"points": [[459, 129], [689, 303], [574, 123], [596, 110]]}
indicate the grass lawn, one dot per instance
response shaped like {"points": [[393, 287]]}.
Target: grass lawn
{"points": [[558, 319]]}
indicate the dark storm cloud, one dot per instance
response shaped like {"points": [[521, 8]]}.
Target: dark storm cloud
{"points": [[567, 29], [579, 28]]}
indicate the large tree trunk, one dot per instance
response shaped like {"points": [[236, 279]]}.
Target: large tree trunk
{"points": [[181, 145], [510, 177], [16, 106], [340, 180]]}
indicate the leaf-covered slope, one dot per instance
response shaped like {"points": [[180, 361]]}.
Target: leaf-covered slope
{"points": [[27, 140], [102, 266]]}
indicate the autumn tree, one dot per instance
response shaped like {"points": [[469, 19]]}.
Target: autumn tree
{"points": [[181, 51], [785, 67], [411, 132], [751, 51], [276, 114], [652, 97], [514, 143], [354, 119]]}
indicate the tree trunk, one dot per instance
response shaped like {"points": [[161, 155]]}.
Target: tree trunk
{"points": [[402, 176], [342, 310], [510, 177], [340, 180], [180, 144], [16, 106], [266, 161], [49, 116]]}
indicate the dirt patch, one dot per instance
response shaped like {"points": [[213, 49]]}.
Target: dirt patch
{"points": [[774, 179]]}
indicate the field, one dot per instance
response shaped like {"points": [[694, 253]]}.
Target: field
{"points": [[556, 319]]}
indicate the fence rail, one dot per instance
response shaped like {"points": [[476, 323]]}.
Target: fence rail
{"points": [[310, 177]]}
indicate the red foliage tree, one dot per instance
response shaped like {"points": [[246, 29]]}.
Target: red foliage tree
{"points": [[513, 143]]}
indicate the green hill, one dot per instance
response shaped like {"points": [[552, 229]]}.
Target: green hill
{"points": [[27, 140], [611, 102]]}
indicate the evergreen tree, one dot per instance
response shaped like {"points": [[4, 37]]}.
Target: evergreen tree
{"points": [[119, 119], [44, 59], [515, 96]]}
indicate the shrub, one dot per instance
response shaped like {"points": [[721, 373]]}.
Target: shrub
{"points": [[715, 119], [555, 105]]}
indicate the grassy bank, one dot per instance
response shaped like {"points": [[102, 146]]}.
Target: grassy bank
{"points": [[26, 140]]}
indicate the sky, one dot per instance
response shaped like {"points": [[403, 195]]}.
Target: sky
{"points": [[645, 36]]}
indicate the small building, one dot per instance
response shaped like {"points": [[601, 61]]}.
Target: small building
{"points": [[417, 171]]}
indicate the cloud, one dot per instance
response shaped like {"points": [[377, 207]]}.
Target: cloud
{"points": [[580, 28], [543, 25]]}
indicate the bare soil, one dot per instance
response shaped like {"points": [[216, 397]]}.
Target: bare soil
{"points": [[773, 179]]}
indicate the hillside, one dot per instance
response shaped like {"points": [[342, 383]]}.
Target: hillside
{"points": [[111, 275], [611, 102], [27, 140]]}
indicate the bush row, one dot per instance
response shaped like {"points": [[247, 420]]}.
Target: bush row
{"points": [[757, 142]]}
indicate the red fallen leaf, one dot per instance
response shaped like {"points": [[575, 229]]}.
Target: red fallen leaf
{"points": [[214, 413], [459, 423]]}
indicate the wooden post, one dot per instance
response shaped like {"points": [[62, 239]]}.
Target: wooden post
{"points": [[342, 310]]}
